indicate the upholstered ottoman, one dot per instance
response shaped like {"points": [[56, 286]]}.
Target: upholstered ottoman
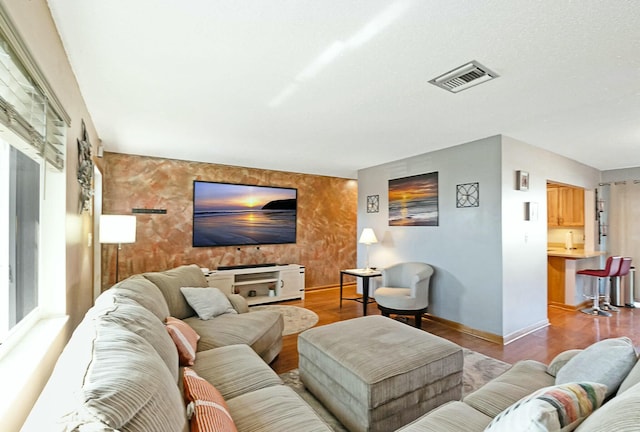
{"points": [[376, 374]]}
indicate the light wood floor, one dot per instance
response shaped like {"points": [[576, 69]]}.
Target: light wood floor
{"points": [[567, 330]]}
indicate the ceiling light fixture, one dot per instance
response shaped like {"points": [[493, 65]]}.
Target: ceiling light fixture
{"points": [[464, 77]]}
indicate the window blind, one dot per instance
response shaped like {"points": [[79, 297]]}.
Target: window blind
{"points": [[28, 107]]}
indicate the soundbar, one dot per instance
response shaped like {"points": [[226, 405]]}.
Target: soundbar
{"points": [[244, 266]]}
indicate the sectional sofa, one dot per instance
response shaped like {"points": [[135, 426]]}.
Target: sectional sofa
{"points": [[532, 396], [120, 370]]}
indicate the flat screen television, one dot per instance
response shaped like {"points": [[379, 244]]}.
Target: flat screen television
{"points": [[227, 214]]}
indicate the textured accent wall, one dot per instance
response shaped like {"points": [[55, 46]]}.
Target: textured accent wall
{"points": [[326, 226]]}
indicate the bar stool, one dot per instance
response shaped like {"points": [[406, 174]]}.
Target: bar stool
{"points": [[611, 268], [616, 286]]}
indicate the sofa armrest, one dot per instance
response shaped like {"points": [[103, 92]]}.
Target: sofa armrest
{"points": [[239, 303]]}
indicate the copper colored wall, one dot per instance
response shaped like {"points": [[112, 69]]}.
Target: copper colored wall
{"points": [[326, 231]]}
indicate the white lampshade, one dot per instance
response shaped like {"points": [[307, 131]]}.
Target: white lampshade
{"points": [[368, 236], [117, 229]]}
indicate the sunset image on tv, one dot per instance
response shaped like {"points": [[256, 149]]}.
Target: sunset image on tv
{"points": [[231, 214]]}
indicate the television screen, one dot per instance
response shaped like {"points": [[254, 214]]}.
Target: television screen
{"points": [[226, 214]]}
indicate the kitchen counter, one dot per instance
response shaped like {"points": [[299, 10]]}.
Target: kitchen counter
{"points": [[573, 253], [564, 289]]}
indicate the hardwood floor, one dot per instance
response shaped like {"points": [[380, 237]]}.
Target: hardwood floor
{"points": [[567, 330]]}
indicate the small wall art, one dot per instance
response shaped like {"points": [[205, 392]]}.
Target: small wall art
{"points": [[85, 169], [468, 195], [413, 201], [522, 180]]}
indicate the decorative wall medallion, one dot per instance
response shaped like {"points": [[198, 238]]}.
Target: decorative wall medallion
{"points": [[373, 203], [468, 195], [85, 169]]}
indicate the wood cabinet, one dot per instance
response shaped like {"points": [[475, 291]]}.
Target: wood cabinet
{"points": [[565, 206], [552, 206], [555, 281]]}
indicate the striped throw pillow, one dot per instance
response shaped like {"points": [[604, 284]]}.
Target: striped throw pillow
{"points": [[558, 408], [207, 410], [185, 338]]}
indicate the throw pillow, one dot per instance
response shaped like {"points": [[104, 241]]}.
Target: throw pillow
{"points": [[207, 410], [207, 302], [607, 362], [560, 360], [559, 408], [185, 338]]}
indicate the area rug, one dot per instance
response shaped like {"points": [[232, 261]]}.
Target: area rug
{"points": [[296, 319], [478, 370]]}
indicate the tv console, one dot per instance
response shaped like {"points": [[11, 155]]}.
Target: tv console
{"points": [[260, 283]]}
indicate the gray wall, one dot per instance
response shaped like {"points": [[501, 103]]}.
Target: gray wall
{"points": [[621, 174], [465, 248], [524, 242], [491, 264]]}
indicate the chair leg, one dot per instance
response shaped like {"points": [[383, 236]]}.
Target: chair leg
{"points": [[595, 309], [418, 318]]}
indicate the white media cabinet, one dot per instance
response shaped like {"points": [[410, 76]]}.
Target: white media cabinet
{"points": [[259, 285]]}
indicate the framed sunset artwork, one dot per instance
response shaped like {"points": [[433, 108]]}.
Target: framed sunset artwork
{"points": [[413, 201]]}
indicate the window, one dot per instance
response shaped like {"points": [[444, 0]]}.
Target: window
{"points": [[20, 184], [33, 128]]}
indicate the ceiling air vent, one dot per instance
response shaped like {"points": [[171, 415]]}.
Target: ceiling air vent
{"points": [[463, 77]]}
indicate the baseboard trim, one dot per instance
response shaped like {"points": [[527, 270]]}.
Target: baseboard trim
{"points": [[524, 332], [466, 329], [584, 304], [491, 337]]}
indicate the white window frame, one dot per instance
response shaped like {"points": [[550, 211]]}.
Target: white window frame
{"points": [[50, 252]]}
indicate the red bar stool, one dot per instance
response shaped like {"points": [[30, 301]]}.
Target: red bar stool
{"points": [[611, 268], [615, 283]]}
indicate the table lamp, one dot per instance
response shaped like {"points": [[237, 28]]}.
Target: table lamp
{"points": [[117, 229], [368, 237]]}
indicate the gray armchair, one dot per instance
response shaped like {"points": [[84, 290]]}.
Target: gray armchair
{"points": [[405, 290]]}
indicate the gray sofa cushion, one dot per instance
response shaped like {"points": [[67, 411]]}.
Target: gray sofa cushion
{"points": [[126, 385], [521, 380], [145, 293], [259, 329], [560, 360], [239, 303], [207, 302], [137, 319], [235, 370], [631, 380], [277, 408], [451, 417], [607, 362], [171, 281], [618, 414]]}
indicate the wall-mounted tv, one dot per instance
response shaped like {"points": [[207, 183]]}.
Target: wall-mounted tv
{"points": [[226, 214]]}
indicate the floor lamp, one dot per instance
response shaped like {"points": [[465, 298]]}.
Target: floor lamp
{"points": [[117, 229], [368, 237]]}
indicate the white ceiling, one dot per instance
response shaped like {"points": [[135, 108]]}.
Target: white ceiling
{"points": [[331, 86]]}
